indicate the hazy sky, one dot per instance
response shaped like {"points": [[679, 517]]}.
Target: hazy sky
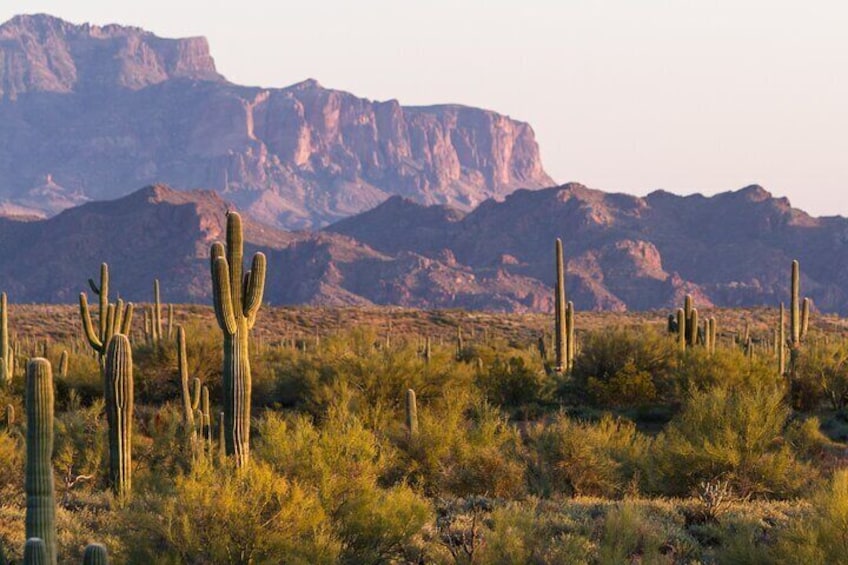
{"points": [[625, 95]]}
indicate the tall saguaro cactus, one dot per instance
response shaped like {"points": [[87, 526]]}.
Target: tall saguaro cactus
{"points": [[113, 318], [799, 317], [236, 299], [119, 404], [40, 493], [560, 306], [795, 305]]}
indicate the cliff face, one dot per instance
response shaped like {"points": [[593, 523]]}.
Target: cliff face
{"points": [[45, 54], [94, 112]]}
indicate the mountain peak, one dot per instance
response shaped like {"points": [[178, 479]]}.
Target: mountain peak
{"points": [[47, 54], [754, 193]]}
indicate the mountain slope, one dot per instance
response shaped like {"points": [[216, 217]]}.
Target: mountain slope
{"points": [[732, 249], [94, 112]]}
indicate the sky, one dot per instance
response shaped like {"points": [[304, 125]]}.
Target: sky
{"points": [[624, 95]]}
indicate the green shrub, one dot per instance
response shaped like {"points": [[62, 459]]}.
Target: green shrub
{"points": [[220, 516], [822, 535], [514, 382], [733, 434], [623, 367], [518, 533], [583, 458]]}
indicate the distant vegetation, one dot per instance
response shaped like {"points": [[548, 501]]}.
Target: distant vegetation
{"points": [[425, 437]]}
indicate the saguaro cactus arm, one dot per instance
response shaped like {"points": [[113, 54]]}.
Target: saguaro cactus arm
{"points": [[254, 288], [87, 325], [222, 296]]}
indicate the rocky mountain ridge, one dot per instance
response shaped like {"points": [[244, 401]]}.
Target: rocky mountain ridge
{"points": [[92, 113], [623, 252]]}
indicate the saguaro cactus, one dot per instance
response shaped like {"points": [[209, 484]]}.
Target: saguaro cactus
{"points": [[119, 404], [570, 340], [795, 305], [781, 341], [40, 494], [113, 318], [236, 299], [63, 364], [560, 305], [7, 356], [95, 554], [805, 318], [681, 329], [692, 328], [188, 408], [411, 413]]}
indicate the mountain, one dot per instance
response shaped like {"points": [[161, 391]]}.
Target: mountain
{"points": [[625, 252], [92, 113], [158, 232], [622, 252]]}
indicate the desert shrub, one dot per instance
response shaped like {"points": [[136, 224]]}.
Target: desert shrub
{"points": [[218, 516], [343, 462], [83, 380], [514, 382], [382, 525], [11, 463], [627, 387], [584, 458], [822, 535], [821, 375], [80, 444], [698, 370], [472, 455], [622, 367], [156, 373], [733, 434], [519, 533], [806, 438], [336, 458], [630, 535], [377, 377]]}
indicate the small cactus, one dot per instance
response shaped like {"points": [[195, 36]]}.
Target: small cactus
{"points": [[63, 364], [7, 356], [35, 552], [411, 413], [95, 554], [40, 493], [10, 416], [781, 341]]}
